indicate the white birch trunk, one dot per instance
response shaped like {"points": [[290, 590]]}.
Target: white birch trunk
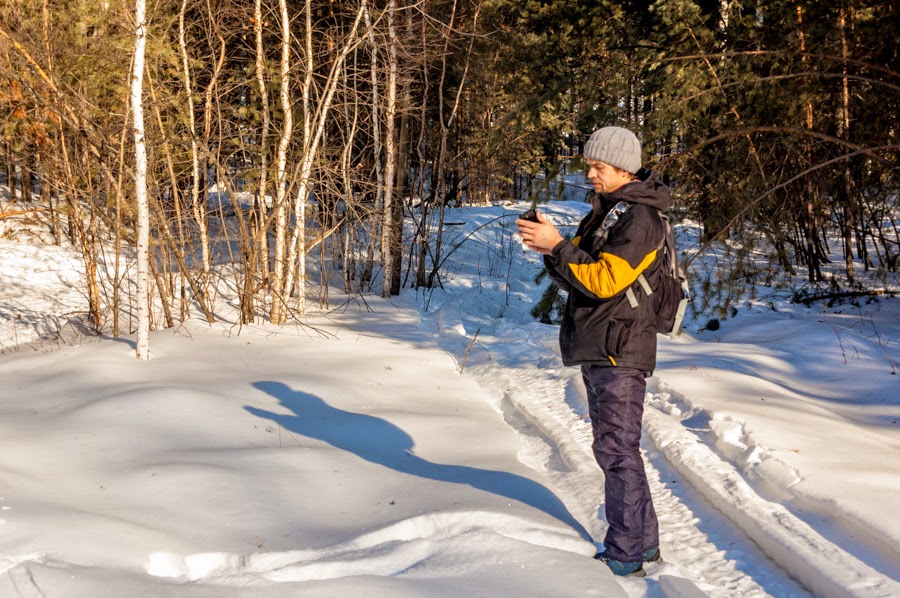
{"points": [[297, 257], [311, 146], [279, 312], [264, 135], [140, 180]]}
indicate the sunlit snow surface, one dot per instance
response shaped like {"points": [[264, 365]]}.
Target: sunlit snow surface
{"points": [[254, 461]]}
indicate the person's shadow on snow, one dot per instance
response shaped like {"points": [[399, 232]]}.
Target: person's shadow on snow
{"points": [[379, 441]]}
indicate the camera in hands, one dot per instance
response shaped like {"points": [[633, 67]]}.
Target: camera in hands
{"points": [[530, 215]]}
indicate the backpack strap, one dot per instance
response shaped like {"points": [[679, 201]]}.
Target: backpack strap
{"points": [[641, 279], [632, 298], [682, 308], [644, 284]]}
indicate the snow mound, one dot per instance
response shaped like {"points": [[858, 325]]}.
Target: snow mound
{"points": [[387, 551]]}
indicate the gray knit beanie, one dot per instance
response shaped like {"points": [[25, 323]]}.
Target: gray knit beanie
{"points": [[615, 146]]}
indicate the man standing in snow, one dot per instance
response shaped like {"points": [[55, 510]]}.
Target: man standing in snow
{"points": [[609, 327]]}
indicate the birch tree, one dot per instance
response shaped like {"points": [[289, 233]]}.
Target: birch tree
{"points": [[262, 230], [278, 312], [312, 144], [140, 181], [297, 257]]}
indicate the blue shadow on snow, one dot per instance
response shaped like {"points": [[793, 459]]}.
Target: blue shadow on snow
{"points": [[379, 441]]}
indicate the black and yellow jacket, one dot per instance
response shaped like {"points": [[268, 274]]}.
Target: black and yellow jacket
{"points": [[597, 267]]}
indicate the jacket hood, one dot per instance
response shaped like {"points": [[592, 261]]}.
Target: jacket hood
{"points": [[648, 190]]}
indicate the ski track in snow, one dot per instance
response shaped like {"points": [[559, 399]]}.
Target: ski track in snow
{"points": [[692, 483], [820, 565], [538, 395]]}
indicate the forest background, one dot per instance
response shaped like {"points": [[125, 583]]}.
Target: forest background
{"points": [[289, 141]]}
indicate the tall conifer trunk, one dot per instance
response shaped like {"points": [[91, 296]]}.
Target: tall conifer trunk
{"points": [[845, 188], [811, 215], [390, 236]]}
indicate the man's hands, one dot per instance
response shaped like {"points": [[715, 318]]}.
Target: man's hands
{"points": [[541, 236]]}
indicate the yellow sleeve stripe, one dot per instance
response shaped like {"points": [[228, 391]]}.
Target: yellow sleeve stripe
{"points": [[610, 274]]}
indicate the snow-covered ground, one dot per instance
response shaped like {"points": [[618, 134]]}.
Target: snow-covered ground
{"points": [[348, 455]]}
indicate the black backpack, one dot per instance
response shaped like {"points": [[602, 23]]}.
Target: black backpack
{"points": [[671, 293]]}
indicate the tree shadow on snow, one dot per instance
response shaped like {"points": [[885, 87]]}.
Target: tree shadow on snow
{"points": [[379, 441]]}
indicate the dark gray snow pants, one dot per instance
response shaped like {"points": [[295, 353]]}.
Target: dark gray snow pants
{"points": [[616, 403]]}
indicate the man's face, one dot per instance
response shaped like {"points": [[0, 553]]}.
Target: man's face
{"points": [[606, 178]]}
